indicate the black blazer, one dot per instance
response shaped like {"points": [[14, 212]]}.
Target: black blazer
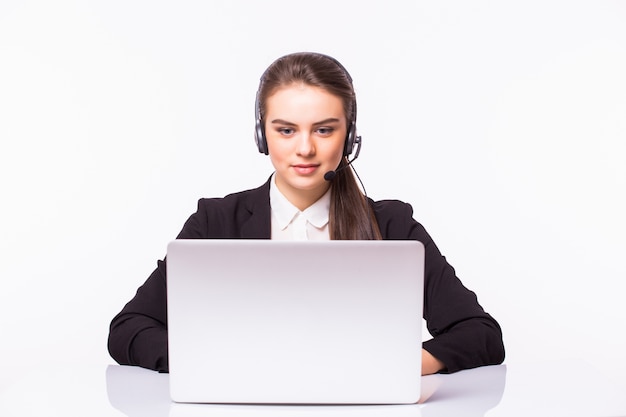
{"points": [[464, 335]]}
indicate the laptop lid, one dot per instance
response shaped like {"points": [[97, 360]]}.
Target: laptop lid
{"points": [[317, 322]]}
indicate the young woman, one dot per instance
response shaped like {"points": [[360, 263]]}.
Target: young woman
{"points": [[306, 123]]}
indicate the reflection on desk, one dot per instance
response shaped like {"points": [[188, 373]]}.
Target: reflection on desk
{"points": [[138, 392], [567, 388], [134, 391], [564, 388]]}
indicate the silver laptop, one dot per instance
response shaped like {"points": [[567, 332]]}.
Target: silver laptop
{"points": [[262, 321]]}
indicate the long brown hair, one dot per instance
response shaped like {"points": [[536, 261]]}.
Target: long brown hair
{"points": [[350, 217]]}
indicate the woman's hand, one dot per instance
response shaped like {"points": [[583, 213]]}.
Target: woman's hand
{"points": [[430, 364]]}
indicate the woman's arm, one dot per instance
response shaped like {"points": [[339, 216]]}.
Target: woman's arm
{"points": [[138, 334], [464, 335]]}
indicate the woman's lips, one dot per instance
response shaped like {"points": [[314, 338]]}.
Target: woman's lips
{"points": [[305, 169]]}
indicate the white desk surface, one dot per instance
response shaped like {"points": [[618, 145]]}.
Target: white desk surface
{"points": [[564, 388]]}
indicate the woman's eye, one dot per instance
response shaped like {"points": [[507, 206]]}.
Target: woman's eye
{"points": [[325, 131], [285, 131]]}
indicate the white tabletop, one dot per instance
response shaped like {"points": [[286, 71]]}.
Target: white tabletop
{"points": [[567, 388]]}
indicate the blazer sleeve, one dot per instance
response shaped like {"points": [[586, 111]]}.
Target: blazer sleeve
{"points": [[464, 335], [138, 334]]}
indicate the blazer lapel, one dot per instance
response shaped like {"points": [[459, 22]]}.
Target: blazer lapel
{"points": [[258, 225]]}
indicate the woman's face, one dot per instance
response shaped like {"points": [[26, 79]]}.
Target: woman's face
{"points": [[305, 129]]}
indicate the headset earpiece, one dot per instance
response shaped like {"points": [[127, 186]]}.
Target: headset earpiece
{"points": [[350, 140], [259, 132], [259, 137]]}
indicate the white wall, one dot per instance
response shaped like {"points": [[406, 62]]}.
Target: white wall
{"points": [[503, 124]]}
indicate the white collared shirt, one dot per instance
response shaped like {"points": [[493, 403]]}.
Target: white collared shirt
{"points": [[289, 223]]}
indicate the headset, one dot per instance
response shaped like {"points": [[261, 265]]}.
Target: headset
{"points": [[351, 137]]}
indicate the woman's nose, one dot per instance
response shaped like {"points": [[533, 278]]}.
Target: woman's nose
{"points": [[306, 146]]}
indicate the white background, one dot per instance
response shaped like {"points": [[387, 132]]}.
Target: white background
{"points": [[504, 125]]}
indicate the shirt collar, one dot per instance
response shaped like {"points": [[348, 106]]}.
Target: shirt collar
{"points": [[316, 214]]}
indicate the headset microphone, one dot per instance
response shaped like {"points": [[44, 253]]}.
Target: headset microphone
{"points": [[330, 175]]}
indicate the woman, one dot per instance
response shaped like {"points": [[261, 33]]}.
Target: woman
{"points": [[306, 123]]}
